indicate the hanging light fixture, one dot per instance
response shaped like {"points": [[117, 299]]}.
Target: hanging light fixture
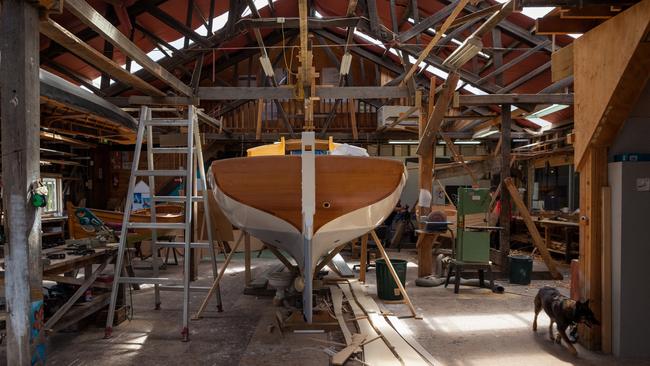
{"points": [[465, 52]]}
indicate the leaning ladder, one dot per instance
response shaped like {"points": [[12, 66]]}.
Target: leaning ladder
{"points": [[194, 156]]}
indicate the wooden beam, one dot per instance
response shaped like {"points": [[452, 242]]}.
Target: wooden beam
{"points": [[152, 101], [77, 78], [513, 62], [534, 233], [424, 24], [506, 212], [402, 290], [176, 25], [294, 23], [88, 15], [517, 31], [554, 24], [605, 96], [353, 118], [215, 283], [258, 125], [95, 58], [459, 7], [286, 92], [503, 12], [562, 63], [593, 177], [475, 15], [65, 140], [525, 78], [460, 159], [20, 120], [573, 3], [363, 258], [590, 12], [375, 22], [606, 270], [498, 99], [435, 119]]}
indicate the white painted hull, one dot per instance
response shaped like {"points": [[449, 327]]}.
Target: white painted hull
{"points": [[281, 234]]}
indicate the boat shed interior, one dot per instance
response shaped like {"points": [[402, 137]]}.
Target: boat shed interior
{"points": [[311, 182]]}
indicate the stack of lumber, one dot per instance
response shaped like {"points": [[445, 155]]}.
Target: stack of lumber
{"points": [[378, 336]]}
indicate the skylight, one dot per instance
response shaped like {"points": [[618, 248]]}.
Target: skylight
{"points": [[218, 22], [369, 39], [544, 124], [533, 13]]}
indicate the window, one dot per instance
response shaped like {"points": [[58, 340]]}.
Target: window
{"points": [[555, 188], [54, 196]]}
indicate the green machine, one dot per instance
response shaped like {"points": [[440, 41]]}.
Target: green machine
{"points": [[472, 242]]}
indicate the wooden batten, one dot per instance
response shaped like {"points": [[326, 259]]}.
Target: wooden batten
{"points": [[593, 176], [562, 63]]}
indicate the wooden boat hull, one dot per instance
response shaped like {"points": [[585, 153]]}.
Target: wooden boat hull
{"points": [[262, 196], [113, 219]]}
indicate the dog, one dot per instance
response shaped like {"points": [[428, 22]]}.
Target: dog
{"points": [[565, 312]]}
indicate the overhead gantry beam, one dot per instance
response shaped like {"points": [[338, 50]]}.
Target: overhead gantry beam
{"points": [[499, 99], [286, 92], [294, 23], [88, 15]]}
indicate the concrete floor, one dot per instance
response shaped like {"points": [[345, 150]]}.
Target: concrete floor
{"points": [[475, 327]]}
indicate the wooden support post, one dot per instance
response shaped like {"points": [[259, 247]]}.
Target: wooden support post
{"points": [[606, 316], [424, 246], [329, 257], [506, 210], [19, 90], [428, 135], [287, 263], [593, 176], [353, 118], [363, 260], [534, 233], [215, 284], [425, 183], [402, 290], [260, 111], [247, 259]]}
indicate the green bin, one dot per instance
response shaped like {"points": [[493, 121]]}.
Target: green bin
{"points": [[521, 266], [386, 287]]}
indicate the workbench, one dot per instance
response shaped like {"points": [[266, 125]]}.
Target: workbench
{"points": [[566, 245], [63, 271]]}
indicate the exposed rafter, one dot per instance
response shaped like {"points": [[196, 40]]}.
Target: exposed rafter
{"points": [[88, 15]]}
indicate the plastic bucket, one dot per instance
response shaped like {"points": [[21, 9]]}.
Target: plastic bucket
{"points": [[386, 287], [521, 266]]}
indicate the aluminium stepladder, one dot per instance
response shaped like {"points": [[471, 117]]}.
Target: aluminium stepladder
{"points": [[194, 158]]}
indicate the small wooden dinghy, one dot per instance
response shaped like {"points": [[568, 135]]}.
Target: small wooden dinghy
{"points": [[81, 225], [264, 195]]}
